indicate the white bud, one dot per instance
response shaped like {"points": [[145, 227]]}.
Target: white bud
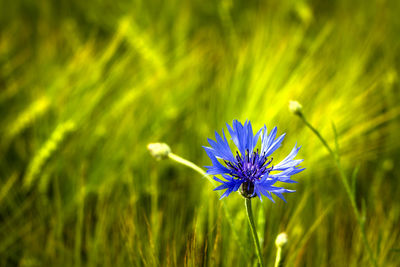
{"points": [[159, 150], [281, 239], [295, 107]]}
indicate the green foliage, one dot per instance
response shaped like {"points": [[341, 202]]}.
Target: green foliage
{"points": [[86, 85]]}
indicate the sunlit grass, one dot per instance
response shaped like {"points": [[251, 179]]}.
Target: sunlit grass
{"points": [[86, 86]]}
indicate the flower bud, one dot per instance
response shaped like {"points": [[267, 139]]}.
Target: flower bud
{"points": [[159, 150], [281, 240], [295, 107]]}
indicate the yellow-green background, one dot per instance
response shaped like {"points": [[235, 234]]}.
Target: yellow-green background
{"points": [[86, 85]]}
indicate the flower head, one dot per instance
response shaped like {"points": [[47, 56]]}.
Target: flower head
{"points": [[250, 170]]}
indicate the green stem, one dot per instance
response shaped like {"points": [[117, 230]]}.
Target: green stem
{"points": [[278, 257], [191, 165], [345, 181], [253, 230], [315, 131]]}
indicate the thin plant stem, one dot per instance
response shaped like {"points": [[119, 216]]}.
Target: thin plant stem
{"points": [[253, 230], [315, 131], [343, 177], [278, 257], [191, 165]]}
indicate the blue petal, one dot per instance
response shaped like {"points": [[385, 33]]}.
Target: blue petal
{"points": [[217, 167], [288, 162], [266, 193], [251, 139], [222, 186], [280, 196], [228, 177], [266, 182], [249, 136], [231, 185], [278, 192], [255, 139], [275, 145], [266, 188], [285, 175], [237, 185], [232, 188], [226, 193], [220, 148], [218, 180], [258, 193], [263, 188], [276, 189], [242, 136], [237, 135], [268, 142]]}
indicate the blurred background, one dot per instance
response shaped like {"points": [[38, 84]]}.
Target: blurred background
{"points": [[86, 85]]}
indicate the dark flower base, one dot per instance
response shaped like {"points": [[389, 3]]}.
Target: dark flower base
{"points": [[247, 190]]}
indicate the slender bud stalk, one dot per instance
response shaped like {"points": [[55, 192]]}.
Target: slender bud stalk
{"points": [[345, 181]]}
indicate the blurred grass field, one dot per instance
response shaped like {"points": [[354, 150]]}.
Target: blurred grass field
{"points": [[86, 85]]}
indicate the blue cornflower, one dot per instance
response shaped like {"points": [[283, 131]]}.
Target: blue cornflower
{"points": [[250, 171]]}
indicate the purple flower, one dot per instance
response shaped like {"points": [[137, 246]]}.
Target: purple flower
{"points": [[250, 170]]}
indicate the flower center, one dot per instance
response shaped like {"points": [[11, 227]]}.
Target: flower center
{"points": [[250, 167]]}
